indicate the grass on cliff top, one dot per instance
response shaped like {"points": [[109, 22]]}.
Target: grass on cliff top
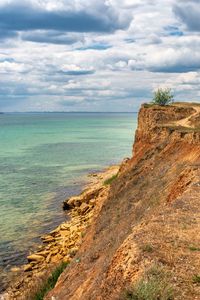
{"points": [[110, 180], [187, 104], [181, 104], [50, 282], [156, 106], [154, 285]]}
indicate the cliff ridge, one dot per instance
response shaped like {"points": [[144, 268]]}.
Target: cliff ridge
{"points": [[150, 217]]}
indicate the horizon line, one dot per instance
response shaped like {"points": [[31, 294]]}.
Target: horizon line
{"points": [[64, 112]]}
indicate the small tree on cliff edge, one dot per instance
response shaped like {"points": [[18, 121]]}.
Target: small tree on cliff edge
{"points": [[163, 97]]}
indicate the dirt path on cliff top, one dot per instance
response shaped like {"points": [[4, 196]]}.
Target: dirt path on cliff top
{"points": [[186, 121]]}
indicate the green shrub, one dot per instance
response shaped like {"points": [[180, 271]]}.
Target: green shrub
{"points": [[50, 282], [153, 286], [110, 180], [163, 97]]}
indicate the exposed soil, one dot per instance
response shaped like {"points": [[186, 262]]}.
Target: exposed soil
{"points": [[190, 121], [153, 204]]}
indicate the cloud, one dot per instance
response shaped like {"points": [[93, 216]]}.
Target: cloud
{"points": [[51, 37], [75, 70], [7, 34], [10, 66], [168, 57], [78, 72], [24, 17], [3, 58], [188, 12], [173, 30], [96, 55], [97, 46], [176, 61]]}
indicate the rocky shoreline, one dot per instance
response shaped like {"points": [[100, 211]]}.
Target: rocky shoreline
{"points": [[61, 244]]}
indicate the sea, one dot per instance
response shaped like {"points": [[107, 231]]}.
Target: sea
{"points": [[44, 159]]}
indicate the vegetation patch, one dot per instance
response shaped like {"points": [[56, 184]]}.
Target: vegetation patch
{"points": [[147, 105], [154, 285], [110, 180], [147, 248], [193, 248], [181, 129], [196, 279], [50, 282]]}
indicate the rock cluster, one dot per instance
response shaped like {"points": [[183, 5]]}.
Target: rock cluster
{"points": [[61, 244]]}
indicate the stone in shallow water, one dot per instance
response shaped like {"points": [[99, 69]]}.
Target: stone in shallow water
{"points": [[35, 257], [64, 227], [27, 268], [15, 269], [47, 238]]}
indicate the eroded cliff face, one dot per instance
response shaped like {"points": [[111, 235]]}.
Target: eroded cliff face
{"points": [[151, 215], [158, 124]]}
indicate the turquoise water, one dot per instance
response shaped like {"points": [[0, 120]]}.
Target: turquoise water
{"points": [[44, 158]]}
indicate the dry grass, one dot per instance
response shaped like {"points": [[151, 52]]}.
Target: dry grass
{"points": [[154, 285]]}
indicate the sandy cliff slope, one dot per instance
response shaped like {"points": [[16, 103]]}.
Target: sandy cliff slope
{"points": [[151, 216]]}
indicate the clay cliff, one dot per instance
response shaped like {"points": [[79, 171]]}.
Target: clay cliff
{"points": [[150, 217]]}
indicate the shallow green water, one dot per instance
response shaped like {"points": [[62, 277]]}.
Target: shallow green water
{"points": [[44, 158]]}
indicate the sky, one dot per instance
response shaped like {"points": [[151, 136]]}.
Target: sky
{"points": [[97, 55]]}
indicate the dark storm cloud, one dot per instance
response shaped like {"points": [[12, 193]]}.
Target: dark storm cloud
{"points": [[77, 72], [188, 12], [24, 17], [176, 68], [50, 37], [5, 34]]}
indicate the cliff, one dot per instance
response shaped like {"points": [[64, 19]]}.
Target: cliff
{"points": [[149, 218]]}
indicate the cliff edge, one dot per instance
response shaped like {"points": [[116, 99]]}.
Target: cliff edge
{"points": [[150, 218]]}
